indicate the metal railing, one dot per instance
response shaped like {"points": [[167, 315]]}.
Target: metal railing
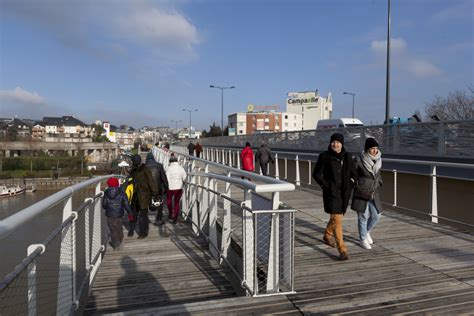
{"points": [[55, 276], [291, 167], [252, 233], [433, 139]]}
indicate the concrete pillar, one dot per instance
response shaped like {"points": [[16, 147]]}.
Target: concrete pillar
{"points": [[7, 153]]}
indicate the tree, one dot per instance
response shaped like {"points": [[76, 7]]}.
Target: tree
{"points": [[458, 105], [214, 131]]}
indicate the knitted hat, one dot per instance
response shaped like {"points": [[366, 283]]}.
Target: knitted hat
{"points": [[136, 160], [113, 182], [150, 156], [369, 143], [337, 136]]}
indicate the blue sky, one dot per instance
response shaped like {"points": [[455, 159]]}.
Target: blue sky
{"points": [[141, 62]]}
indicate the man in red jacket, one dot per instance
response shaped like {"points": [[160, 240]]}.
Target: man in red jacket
{"points": [[246, 156]]}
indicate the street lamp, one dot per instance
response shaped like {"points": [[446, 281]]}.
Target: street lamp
{"points": [[190, 111], [222, 104], [353, 95], [387, 87]]}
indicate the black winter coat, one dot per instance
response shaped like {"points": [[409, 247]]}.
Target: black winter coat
{"points": [[144, 187], [158, 174], [115, 202], [264, 154], [360, 205], [336, 175]]}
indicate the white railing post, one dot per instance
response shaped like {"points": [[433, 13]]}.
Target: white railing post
{"points": [[273, 251], [192, 205], [434, 196], [286, 168], [248, 242], [230, 158], [66, 275], [213, 219], [32, 280], [226, 222], [87, 248], [238, 159], [309, 172], [298, 183], [96, 233], [277, 168], [394, 187]]}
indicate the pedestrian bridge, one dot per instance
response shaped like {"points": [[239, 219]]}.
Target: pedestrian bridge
{"points": [[253, 248]]}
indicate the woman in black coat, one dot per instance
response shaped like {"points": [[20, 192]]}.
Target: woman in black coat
{"points": [[335, 173], [366, 200]]}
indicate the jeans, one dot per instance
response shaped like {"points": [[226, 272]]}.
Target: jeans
{"points": [[367, 220]]}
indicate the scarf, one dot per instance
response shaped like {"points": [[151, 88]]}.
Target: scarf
{"points": [[335, 154], [372, 163]]}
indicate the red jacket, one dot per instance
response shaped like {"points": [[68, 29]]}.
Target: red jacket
{"points": [[247, 159]]}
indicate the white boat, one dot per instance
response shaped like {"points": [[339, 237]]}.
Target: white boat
{"points": [[11, 191], [30, 188]]}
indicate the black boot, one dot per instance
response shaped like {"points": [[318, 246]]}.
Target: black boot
{"points": [[130, 233]]}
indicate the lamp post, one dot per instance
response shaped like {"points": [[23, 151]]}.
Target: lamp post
{"points": [[387, 88], [222, 104], [353, 95], [190, 111]]}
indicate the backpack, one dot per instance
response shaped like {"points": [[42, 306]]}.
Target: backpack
{"points": [[129, 189]]}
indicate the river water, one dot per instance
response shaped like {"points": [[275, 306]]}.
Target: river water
{"points": [[13, 247]]}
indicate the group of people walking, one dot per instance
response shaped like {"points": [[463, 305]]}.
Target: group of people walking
{"points": [[343, 180], [144, 189]]}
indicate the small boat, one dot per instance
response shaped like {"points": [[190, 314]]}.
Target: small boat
{"points": [[30, 188], [11, 191]]}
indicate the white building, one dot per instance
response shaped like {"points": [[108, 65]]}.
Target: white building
{"points": [[237, 123], [291, 122], [311, 106]]}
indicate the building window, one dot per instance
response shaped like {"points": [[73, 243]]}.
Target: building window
{"points": [[286, 116], [326, 108], [241, 131], [286, 124]]}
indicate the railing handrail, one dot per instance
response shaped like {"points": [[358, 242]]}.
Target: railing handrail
{"points": [[9, 224], [270, 184], [258, 188], [405, 161]]}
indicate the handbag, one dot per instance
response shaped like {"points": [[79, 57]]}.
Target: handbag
{"points": [[364, 191]]}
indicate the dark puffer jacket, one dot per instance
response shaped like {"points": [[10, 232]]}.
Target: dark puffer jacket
{"points": [[334, 173], [158, 174], [115, 202], [376, 182]]}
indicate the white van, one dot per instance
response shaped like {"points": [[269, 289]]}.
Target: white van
{"points": [[339, 123]]}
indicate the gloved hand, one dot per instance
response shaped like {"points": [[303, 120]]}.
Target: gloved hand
{"points": [[130, 217]]}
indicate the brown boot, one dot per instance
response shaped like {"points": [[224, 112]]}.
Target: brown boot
{"points": [[344, 256], [329, 241]]}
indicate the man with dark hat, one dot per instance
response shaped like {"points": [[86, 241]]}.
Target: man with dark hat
{"points": [[335, 173], [144, 189], [159, 176]]}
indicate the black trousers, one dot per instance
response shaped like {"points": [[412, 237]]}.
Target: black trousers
{"points": [[143, 222], [159, 213], [263, 166]]}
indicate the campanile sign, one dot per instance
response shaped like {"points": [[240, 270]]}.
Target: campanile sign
{"points": [[310, 105]]}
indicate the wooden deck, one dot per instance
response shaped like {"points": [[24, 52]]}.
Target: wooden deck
{"points": [[414, 267]]}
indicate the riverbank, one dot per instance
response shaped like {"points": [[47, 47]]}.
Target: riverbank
{"points": [[45, 183]]}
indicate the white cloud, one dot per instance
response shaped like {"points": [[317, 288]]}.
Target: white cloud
{"points": [[22, 96], [135, 30], [397, 45], [460, 10], [423, 68]]}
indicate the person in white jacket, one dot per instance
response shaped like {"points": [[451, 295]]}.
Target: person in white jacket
{"points": [[176, 176]]}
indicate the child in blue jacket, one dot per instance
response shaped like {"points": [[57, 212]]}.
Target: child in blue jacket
{"points": [[115, 203]]}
